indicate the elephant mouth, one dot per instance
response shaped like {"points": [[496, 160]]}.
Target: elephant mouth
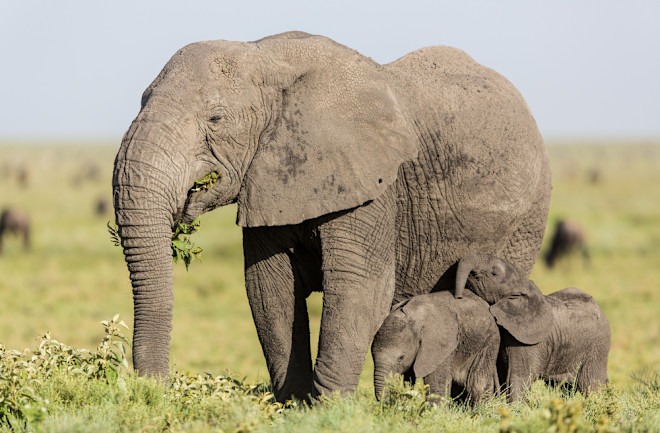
{"points": [[476, 285], [204, 195]]}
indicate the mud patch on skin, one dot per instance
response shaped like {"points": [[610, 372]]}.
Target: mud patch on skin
{"points": [[294, 154], [291, 161]]}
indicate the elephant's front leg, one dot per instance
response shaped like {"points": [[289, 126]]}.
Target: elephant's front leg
{"points": [[439, 381], [279, 309], [358, 265], [522, 370]]}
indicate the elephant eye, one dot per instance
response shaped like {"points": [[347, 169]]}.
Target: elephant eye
{"points": [[400, 358], [497, 270], [216, 118]]}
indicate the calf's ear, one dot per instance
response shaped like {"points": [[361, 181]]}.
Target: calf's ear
{"points": [[438, 340], [526, 315]]}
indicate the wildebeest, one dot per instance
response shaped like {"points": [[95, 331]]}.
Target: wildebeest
{"points": [[568, 237], [15, 222], [101, 207], [23, 177]]}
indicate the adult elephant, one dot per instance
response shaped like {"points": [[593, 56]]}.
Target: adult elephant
{"points": [[362, 180]]}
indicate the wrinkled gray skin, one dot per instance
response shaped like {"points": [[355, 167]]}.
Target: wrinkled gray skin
{"points": [[16, 222], [361, 180], [443, 340], [562, 337]]}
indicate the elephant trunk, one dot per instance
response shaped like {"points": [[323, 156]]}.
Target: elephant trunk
{"points": [[148, 253], [380, 373], [465, 266], [146, 197]]}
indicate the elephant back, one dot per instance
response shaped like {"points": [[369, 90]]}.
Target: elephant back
{"points": [[576, 308]]}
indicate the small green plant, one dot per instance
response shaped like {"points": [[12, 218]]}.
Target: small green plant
{"points": [[110, 356], [189, 389], [22, 373], [564, 416], [647, 379], [114, 234], [18, 378], [406, 399], [182, 247]]}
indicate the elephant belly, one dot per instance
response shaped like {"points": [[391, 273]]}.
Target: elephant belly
{"points": [[560, 378], [435, 229]]}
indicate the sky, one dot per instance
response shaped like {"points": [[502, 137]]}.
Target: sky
{"points": [[75, 69]]}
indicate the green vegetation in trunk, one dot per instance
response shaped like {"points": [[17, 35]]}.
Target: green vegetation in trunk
{"points": [[182, 247], [206, 182]]}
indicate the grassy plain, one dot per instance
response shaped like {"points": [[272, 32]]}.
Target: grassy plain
{"points": [[73, 277]]}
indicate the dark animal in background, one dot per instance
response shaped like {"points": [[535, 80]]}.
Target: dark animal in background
{"points": [[568, 237], [561, 338], [444, 341], [23, 177], [16, 173], [102, 207], [594, 175], [88, 173], [15, 222]]}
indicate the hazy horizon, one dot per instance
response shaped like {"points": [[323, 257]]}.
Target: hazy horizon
{"points": [[75, 70]]}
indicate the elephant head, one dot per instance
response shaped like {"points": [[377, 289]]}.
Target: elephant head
{"points": [[516, 303], [407, 340], [291, 131]]}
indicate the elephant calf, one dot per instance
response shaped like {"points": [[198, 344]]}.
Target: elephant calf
{"points": [[16, 222], [442, 340], [561, 337]]}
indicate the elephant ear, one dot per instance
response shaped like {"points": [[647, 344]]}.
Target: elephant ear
{"points": [[337, 143], [437, 343], [527, 315]]}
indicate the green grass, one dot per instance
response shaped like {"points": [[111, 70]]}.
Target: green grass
{"points": [[55, 388], [74, 277]]}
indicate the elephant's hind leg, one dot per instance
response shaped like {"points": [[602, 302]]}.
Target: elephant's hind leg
{"points": [[592, 375]]}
